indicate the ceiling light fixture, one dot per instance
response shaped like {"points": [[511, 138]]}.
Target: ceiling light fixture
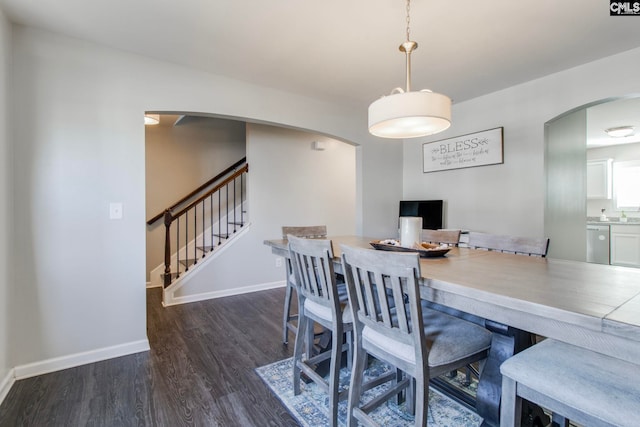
{"points": [[407, 114], [620, 131], [151, 119]]}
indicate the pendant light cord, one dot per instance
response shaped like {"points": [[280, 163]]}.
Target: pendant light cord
{"points": [[408, 19], [408, 47]]}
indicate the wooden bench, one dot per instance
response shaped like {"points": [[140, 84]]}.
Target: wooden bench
{"points": [[576, 384]]}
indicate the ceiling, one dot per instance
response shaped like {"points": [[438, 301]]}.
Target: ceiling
{"points": [[621, 112], [347, 51]]}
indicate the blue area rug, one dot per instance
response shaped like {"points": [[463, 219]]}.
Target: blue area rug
{"points": [[311, 407]]}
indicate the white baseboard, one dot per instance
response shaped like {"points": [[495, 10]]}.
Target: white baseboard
{"points": [[224, 293], [153, 285], [6, 383], [78, 359]]}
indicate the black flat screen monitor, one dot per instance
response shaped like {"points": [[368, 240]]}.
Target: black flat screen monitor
{"points": [[429, 210]]}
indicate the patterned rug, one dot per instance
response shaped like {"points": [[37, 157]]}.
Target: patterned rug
{"points": [[311, 407]]}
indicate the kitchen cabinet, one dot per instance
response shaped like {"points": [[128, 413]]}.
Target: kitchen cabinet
{"points": [[599, 179], [625, 245]]}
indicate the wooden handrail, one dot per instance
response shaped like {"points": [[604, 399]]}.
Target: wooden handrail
{"points": [[197, 190], [236, 174], [190, 215]]}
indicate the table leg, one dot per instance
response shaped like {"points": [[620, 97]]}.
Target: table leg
{"points": [[506, 341]]}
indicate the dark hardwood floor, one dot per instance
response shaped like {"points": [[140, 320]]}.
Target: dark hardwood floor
{"points": [[199, 372]]}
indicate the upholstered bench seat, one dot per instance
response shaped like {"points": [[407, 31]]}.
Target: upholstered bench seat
{"points": [[583, 386]]}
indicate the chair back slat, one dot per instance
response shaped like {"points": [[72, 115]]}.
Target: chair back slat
{"points": [[381, 301], [377, 283], [511, 244], [312, 261], [403, 322], [366, 294], [450, 237]]}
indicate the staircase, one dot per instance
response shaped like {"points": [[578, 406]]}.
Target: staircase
{"points": [[201, 224]]}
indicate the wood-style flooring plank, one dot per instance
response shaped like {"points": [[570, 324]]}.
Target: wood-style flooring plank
{"points": [[199, 372]]}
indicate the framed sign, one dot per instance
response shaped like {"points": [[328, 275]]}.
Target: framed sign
{"points": [[466, 151]]}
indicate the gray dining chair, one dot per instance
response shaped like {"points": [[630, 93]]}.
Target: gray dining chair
{"points": [[319, 302], [511, 244], [413, 338], [288, 318], [529, 246], [449, 237]]}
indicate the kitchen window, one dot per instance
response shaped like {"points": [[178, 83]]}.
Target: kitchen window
{"points": [[626, 191]]}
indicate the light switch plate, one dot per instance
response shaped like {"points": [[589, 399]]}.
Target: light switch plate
{"points": [[115, 210]]}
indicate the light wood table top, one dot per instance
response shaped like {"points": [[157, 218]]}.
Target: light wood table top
{"points": [[591, 305]]}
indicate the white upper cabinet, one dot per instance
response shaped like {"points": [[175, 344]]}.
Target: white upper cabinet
{"points": [[599, 179]]}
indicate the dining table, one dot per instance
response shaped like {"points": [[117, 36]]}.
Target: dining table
{"points": [[593, 306]]}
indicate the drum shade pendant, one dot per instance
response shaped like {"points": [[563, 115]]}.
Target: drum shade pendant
{"points": [[407, 114]]}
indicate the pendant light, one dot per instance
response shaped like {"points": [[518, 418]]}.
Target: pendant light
{"points": [[407, 114]]}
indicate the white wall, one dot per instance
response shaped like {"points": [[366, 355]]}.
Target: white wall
{"points": [[5, 196], [288, 183], [80, 277], [79, 144], [565, 213], [509, 198]]}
